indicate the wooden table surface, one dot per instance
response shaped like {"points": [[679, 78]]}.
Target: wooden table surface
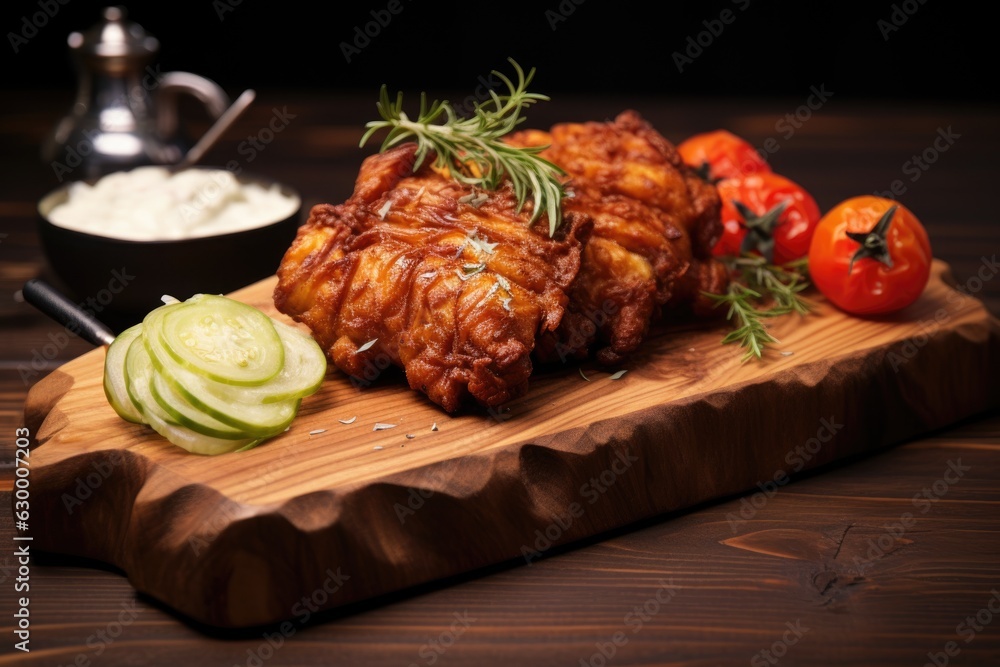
{"points": [[889, 560]]}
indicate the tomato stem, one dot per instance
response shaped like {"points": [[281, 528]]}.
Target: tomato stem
{"points": [[704, 171], [760, 229], [873, 243]]}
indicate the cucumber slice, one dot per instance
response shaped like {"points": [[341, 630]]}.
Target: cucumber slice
{"points": [[222, 339], [261, 419], [258, 419], [301, 375], [182, 412], [138, 373], [151, 326], [212, 375], [222, 403], [114, 376], [196, 443]]}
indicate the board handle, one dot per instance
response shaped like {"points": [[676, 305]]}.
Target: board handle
{"points": [[56, 305]]}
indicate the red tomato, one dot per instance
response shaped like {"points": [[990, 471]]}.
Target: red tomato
{"points": [[766, 213], [725, 154], [867, 260]]}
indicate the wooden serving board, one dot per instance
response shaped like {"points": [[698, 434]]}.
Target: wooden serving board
{"points": [[331, 513]]}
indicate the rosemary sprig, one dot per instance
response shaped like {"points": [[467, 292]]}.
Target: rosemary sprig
{"points": [[758, 290], [750, 332], [470, 147]]}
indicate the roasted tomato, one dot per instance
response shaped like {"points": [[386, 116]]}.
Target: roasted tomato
{"points": [[870, 255], [721, 154], [768, 214]]}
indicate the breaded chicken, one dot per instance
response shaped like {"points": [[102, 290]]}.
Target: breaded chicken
{"points": [[655, 223], [451, 284]]}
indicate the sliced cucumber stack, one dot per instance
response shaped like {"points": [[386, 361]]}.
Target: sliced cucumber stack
{"points": [[114, 379], [211, 374]]}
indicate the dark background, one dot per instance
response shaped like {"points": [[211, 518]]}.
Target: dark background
{"points": [[943, 51]]}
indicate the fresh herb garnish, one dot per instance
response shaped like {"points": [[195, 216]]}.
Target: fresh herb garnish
{"points": [[758, 290], [470, 147]]}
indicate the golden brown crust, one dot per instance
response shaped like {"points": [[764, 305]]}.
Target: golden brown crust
{"points": [[655, 223], [463, 294], [455, 294]]}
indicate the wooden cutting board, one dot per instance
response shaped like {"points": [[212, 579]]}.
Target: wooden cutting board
{"points": [[331, 513]]}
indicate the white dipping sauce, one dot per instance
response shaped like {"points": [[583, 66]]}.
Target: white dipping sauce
{"points": [[151, 204]]}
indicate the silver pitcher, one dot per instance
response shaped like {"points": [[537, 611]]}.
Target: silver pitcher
{"points": [[125, 112]]}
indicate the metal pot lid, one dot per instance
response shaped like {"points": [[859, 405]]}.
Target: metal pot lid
{"points": [[114, 37]]}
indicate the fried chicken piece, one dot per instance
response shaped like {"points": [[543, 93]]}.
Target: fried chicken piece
{"points": [[452, 285], [655, 223]]}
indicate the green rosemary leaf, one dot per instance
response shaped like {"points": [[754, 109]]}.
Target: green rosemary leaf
{"points": [[760, 290], [471, 147]]}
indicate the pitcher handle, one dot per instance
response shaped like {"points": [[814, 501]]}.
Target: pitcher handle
{"points": [[171, 84]]}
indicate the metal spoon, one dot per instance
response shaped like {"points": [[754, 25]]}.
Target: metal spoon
{"points": [[222, 123]]}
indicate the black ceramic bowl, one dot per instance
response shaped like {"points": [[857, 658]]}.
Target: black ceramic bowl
{"points": [[122, 280]]}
